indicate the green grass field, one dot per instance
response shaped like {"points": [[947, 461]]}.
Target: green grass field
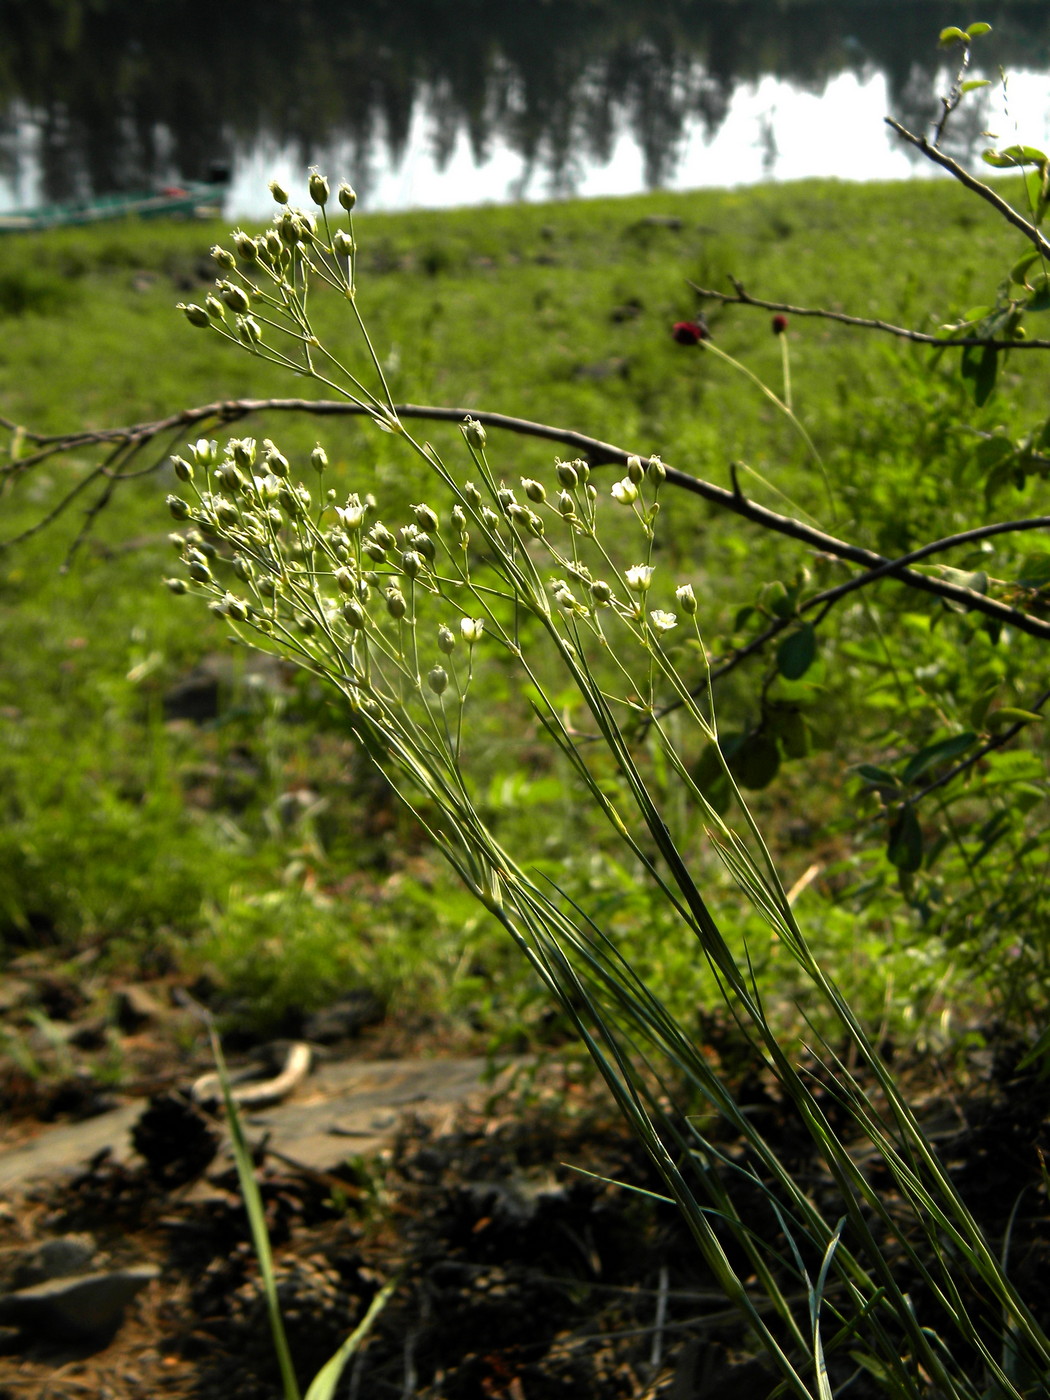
{"points": [[254, 843]]}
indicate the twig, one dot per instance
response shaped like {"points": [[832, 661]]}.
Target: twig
{"points": [[978, 187], [998, 742], [741, 297], [657, 1352]]}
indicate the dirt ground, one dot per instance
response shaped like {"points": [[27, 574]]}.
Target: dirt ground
{"points": [[522, 1271]]}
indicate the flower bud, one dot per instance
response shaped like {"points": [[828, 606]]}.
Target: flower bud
{"points": [[475, 434], [247, 247], [375, 551], [196, 315], [228, 475], [224, 258], [236, 298], [505, 496], [489, 517], [249, 331], [177, 542], [437, 680], [566, 504], [178, 507], [318, 187], [236, 608], [176, 585], [354, 614], [471, 494], [426, 518], [274, 247], [459, 518], [395, 603], [276, 461], [227, 512], [344, 580], [635, 471], [382, 535], [290, 229], [601, 592], [242, 568], [424, 545], [583, 471], [779, 324], [243, 450], [686, 599], [446, 640], [279, 192], [567, 475], [534, 490], [319, 459], [656, 471], [200, 573], [213, 306], [342, 244], [347, 197], [411, 563], [182, 468]]}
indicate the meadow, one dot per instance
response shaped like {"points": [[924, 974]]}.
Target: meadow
{"points": [[173, 807]]}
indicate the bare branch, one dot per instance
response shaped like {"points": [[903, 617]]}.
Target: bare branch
{"points": [[972, 183], [741, 297], [998, 742], [599, 453]]}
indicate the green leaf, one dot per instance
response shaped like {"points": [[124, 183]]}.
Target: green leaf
{"points": [[323, 1385], [977, 29], [1014, 155], [974, 84], [941, 752], [980, 365], [1009, 714], [1021, 266], [904, 847], [756, 761], [953, 35], [878, 777], [1034, 571], [797, 652]]}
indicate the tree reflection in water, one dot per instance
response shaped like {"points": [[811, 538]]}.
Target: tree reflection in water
{"points": [[122, 94]]}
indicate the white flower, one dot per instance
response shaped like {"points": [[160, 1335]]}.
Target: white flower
{"points": [[470, 629], [662, 621], [686, 598], [625, 492], [639, 577]]}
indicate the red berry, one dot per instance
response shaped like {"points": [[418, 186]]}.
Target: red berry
{"points": [[780, 324], [690, 332]]}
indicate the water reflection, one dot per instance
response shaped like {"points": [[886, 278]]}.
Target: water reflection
{"points": [[104, 95]]}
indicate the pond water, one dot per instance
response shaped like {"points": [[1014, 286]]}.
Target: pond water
{"points": [[427, 103]]}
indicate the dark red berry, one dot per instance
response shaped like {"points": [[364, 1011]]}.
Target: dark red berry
{"points": [[780, 324], [690, 332]]}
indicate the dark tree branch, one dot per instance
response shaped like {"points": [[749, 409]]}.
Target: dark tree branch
{"points": [[599, 453], [742, 297]]}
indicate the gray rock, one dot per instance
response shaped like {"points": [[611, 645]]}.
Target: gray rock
{"points": [[77, 1308], [26, 1265], [135, 1007]]}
